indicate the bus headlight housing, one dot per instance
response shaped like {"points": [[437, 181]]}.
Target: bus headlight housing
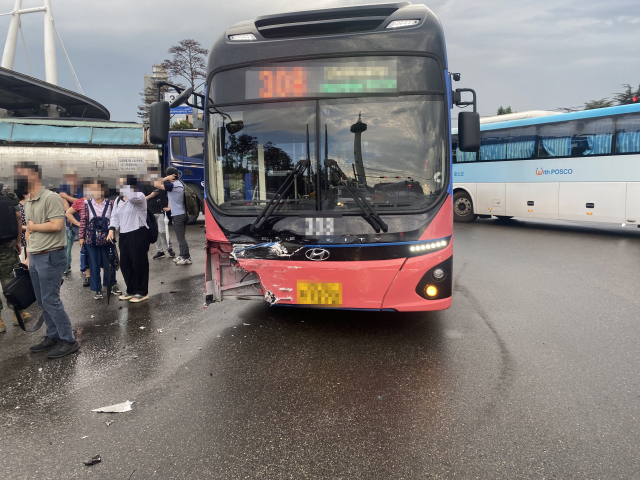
{"points": [[437, 283], [403, 23], [429, 246], [242, 37]]}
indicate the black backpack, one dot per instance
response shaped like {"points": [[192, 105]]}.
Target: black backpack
{"points": [[8, 219], [152, 225], [98, 227], [152, 231]]}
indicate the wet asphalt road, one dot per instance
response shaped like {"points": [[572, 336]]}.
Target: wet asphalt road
{"points": [[533, 373]]}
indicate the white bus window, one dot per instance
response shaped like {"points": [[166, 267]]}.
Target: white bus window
{"points": [[464, 156], [493, 145], [628, 134], [521, 143], [593, 137], [555, 140]]}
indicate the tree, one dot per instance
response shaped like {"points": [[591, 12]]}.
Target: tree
{"points": [[627, 97], [149, 95], [182, 124], [504, 111], [602, 103], [188, 62]]}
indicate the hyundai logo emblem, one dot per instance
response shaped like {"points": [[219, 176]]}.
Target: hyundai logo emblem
{"points": [[317, 254]]}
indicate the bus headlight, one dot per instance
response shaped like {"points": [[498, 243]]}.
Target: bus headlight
{"points": [[243, 37], [438, 274], [403, 23], [429, 247]]}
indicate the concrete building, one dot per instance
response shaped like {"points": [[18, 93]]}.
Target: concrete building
{"points": [[158, 72]]}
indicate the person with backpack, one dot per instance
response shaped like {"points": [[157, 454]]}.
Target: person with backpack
{"points": [[10, 243], [95, 218], [131, 218], [178, 205], [74, 211]]}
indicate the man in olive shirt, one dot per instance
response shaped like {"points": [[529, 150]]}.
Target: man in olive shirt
{"points": [[47, 259]]}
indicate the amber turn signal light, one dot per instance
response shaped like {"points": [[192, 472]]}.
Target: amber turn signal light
{"points": [[431, 291]]}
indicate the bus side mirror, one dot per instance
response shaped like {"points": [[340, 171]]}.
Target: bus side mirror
{"points": [[159, 122], [468, 131], [220, 141]]}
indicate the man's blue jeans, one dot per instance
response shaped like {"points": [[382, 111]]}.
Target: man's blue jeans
{"points": [[46, 276]]}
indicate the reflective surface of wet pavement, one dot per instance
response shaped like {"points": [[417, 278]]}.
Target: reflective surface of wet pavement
{"points": [[533, 373]]}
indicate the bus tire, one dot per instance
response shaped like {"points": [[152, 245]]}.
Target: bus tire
{"points": [[463, 207], [200, 194]]}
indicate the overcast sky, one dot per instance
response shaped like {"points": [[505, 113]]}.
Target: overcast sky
{"points": [[529, 54]]}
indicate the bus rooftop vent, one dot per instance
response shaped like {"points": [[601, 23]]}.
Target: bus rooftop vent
{"points": [[330, 21]]}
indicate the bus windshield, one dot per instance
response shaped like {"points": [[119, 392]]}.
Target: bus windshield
{"points": [[380, 120]]}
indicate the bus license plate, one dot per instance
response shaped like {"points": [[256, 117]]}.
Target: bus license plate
{"points": [[312, 293]]}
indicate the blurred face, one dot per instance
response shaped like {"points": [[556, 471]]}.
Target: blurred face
{"points": [[71, 179], [93, 190], [26, 178]]}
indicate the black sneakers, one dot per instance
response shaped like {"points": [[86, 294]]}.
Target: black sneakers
{"points": [[171, 253], [62, 349], [98, 295], [44, 344], [159, 255], [87, 282]]}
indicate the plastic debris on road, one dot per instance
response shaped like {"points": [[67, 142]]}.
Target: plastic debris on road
{"points": [[109, 422], [93, 316], [159, 330], [93, 460], [117, 408], [142, 328]]}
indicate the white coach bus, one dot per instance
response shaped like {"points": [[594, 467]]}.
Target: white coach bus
{"points": [[572, 166]]}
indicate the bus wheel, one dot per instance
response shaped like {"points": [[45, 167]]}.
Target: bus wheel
{"points": [[463, 207], [192, 218]]}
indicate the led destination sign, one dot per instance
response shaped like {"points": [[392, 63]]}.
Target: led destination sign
{"points": [[326, 78]]}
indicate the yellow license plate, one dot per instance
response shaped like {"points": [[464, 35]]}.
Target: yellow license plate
{"points": [[311, 293]]}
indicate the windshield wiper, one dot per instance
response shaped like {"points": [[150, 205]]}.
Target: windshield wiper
{"points": [[370, 214], [266, 212]]}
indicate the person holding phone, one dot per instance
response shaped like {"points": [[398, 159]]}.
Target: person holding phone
{"points": [[175, 192], [158, 203]]}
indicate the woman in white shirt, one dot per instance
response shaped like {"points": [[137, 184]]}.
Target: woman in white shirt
{"points": [[130, 218]]}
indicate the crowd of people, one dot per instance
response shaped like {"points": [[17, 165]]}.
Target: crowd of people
{"points": [[49, 223]]}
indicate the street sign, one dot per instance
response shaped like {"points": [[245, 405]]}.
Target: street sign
{"points": [[181, 110]]}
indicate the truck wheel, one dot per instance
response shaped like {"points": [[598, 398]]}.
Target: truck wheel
{"points": [[463, 207], [199, 193]]}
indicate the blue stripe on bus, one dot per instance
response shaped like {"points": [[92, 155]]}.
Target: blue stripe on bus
{"points": [[377, 244]]}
